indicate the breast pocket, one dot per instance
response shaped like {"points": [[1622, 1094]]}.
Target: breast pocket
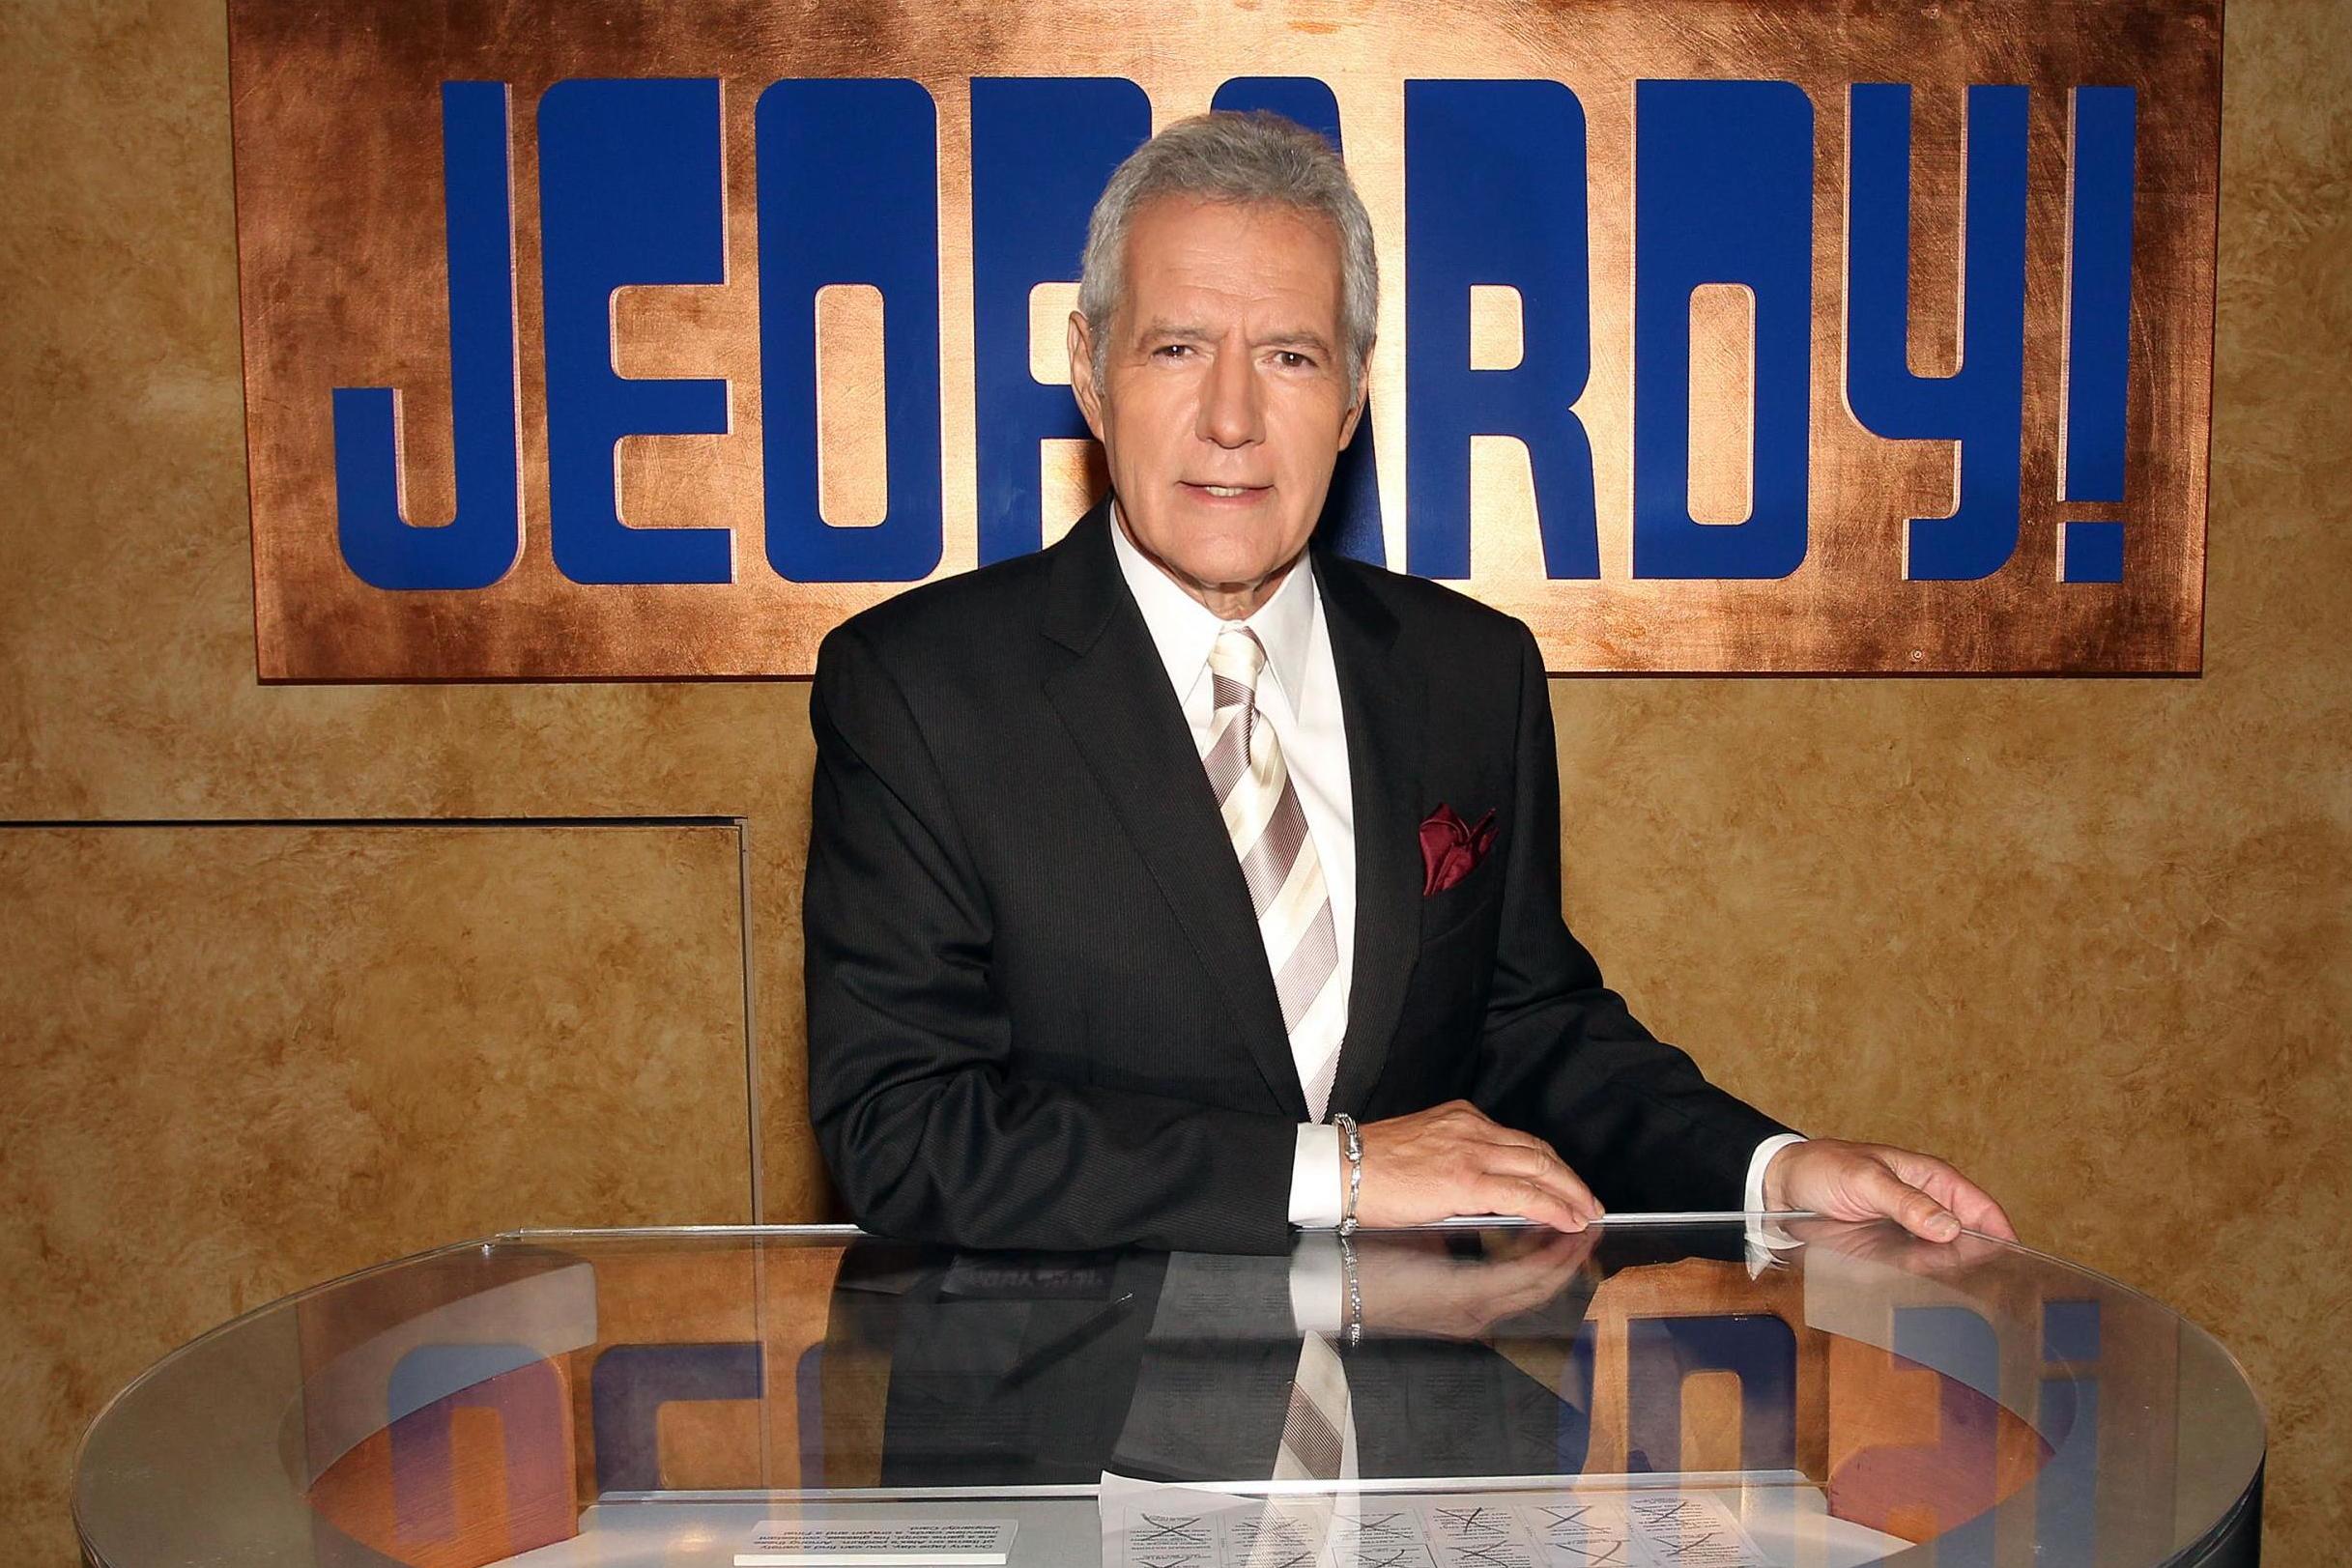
{"points": [[1446, 915], [1438, 1029]]}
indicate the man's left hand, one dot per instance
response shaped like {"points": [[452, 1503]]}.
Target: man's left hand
{"points": [[1838, 1180]]}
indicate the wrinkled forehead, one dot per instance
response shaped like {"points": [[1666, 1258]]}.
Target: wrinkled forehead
{"points": [[1192, 254]]}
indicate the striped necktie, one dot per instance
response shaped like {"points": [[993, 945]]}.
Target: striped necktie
{"points": [[1268, 830]]}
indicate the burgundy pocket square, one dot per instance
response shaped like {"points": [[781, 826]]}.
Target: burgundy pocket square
{"points": [[1451, 848]]}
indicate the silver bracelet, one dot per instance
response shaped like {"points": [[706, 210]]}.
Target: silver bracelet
{"points": [[1352, 1143], [1354, 1292]]}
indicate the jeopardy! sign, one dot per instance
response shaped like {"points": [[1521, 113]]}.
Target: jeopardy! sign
{"points": [[614, 338]]}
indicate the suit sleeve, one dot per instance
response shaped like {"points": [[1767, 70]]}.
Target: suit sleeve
{"points": [[1562, 1057], [928, 1130]]}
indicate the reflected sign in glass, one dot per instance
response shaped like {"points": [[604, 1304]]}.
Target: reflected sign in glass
{"points": [[1714, 338]]}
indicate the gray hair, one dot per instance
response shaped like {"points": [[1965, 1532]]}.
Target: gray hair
{"points": [[1257, 157]]}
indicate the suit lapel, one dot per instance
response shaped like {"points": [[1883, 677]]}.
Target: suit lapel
{"points": [[1383, 701], [1116, 700]]}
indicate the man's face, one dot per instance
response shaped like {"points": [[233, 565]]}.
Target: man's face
{"points": [[1225, 399]]}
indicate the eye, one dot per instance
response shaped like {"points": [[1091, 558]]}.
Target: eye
{"points": [[1171, 351], [1293, 359]]}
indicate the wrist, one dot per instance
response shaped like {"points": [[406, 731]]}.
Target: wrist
{"points": [[1351, 1150]]}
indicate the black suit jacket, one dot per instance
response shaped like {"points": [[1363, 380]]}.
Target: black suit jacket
{"points": [[1040, 1014]]}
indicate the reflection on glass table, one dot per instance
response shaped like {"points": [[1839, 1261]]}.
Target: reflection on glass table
{"points": [[1650, 1393]]}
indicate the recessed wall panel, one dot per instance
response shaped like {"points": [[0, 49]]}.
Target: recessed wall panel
{"points": [[242, 1059]]}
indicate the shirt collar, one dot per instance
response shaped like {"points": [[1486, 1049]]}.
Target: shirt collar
{"points": [[1184, 629]]}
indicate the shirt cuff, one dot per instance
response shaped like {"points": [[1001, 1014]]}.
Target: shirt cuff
{"points": [[1764, 1151], [1318, 1187], [1766, 1241]]}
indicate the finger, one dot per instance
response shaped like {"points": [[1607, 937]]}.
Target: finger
{"points": [[1498, 1194], [1513, 1138], [1883, 1192], [1537, 1163], [1554, 1168], [1520, 1145], [1597, 1209], [1972, 1204], [1978, 1211], [1529, 1200]]}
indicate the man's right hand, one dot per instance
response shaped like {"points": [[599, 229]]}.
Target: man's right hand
{"points": [[1452, 1161]]}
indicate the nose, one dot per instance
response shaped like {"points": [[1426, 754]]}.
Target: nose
{"points": [[1230, 415]]}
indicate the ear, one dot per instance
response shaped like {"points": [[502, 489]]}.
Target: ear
{"points": [[1081, 373], [1363, 396]]}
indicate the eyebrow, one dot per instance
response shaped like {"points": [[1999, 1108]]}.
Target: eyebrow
{"points": [[1192, 332], [1301, 339]]}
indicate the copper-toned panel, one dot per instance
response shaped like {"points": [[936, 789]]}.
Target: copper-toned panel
{"points": [[339, 138]]}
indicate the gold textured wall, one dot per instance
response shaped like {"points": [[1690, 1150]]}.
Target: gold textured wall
{"points": [[245, 1058], [2088, 936]]}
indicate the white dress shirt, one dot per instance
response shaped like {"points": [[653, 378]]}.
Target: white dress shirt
{"points": [[1298, 696]]}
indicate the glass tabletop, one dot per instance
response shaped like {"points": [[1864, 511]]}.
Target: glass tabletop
{"points": [[1698, 1390]]}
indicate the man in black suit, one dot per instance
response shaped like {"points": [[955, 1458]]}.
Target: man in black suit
{"points": [[1135, 859]]}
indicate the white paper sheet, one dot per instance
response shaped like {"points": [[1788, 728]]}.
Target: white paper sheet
{"points": [[915, 1543]]}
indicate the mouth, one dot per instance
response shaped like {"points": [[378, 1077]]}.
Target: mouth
{"points": [[1227, 494]]}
